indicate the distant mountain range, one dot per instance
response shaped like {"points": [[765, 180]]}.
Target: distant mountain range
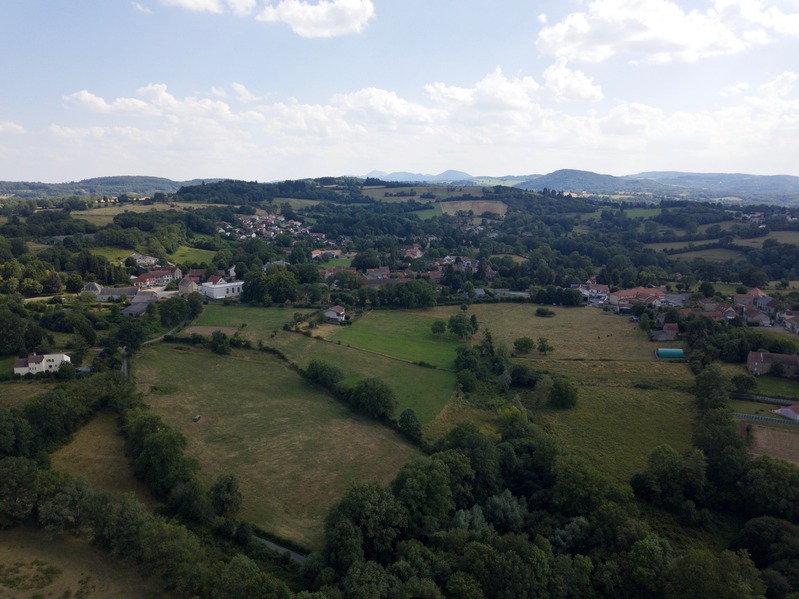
{"points": [[781, 189]]}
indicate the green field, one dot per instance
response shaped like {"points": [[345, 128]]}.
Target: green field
{"points": [[190, 255], [113, 254], [253, 323], [336, 262], [401, 334], [714, 255], [787, 237], [425, 390], [105, 215], [429, 212], [294, 449], [629, 401], [642, 212], [15, 394], [441, 192]]}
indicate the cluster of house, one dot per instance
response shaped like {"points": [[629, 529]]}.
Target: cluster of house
{"points": [[35, 364], [269, 226]]}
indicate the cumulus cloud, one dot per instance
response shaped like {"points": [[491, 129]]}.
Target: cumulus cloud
{"points": [[242, 93], [755, 12], [736, 89], [643, 31], [327, 18], [497, 124], [9, 127], [569, 84], [213, 6], [119, 106], [307, 18]]}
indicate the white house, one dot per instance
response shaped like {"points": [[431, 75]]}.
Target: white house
{"points": [[335, 314], [34, 364], [221, 290]]}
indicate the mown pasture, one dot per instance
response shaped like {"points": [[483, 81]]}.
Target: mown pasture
{"points": [[712, 255], [252, 322], [629, 402], [425, 390], [37, 564], [97, 453], [441, 192], [105, 215], [294, 448], [402, 334], [190, 255], [786, 237]]}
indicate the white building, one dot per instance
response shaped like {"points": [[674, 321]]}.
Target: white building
{"points": [[34, 364], [221, 290]]}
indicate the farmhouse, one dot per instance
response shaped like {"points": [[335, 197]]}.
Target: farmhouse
{"points": [[760, 362], [153, 278], [105, 294], [34, 364], [221, 289], [335, 314], [187, 285]]}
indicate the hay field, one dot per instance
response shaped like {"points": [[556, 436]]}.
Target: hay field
{"points": [[478, 207], [105, 215], [63, 566], [15, 394], [441, 192], [97, 453], [787, 237], [629, 402], [294, 448], [775, 442]]}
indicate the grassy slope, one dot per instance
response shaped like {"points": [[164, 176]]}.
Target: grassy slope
{"points": [[616, 423], [294, 449], [76, 568], [403, 334]]}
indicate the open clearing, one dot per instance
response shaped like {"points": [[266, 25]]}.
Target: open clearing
{"points": [[775, 442], [34, 564], [251, 322], [192, 255], [97, 453], [425, 390], [629, 402], [478, 207], [403, 334], [294, 448], [15, 394]]}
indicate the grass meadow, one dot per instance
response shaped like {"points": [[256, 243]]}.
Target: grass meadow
{"points": [[112, 254], [478, 207], [401, 334], [37, 564], [294, 448], [190, 255], [105, 215], [97, 453], [252, 322], [712, 255], [629, 402], [15, 394]]}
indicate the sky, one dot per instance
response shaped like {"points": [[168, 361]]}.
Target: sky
{"points": [[265, 90]]}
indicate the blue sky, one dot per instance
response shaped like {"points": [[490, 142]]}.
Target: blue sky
{"points": [[278, 89]]}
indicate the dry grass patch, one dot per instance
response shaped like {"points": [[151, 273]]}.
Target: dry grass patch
{"points": [[294, 449], [97, 453], [34, 564], [774, 442], [15, 394]]}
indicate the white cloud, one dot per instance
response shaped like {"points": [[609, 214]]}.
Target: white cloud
{"points": [[9, 127], [754, 12], [212, 6], [780, 86], [142, 8], [242, 93], [643, 31], [568, 84], [119, 106], [497, 124], [327, 18], [736, 89]]}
